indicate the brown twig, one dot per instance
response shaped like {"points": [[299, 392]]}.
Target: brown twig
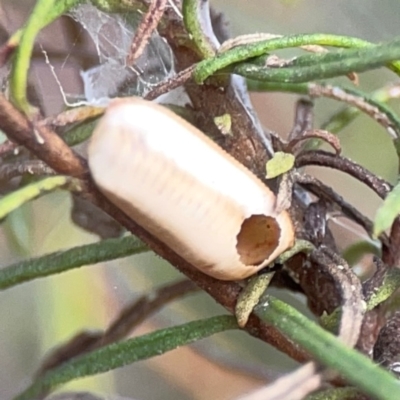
{"points": [[7, 147], [393, 256], [128, 319], [135, 313], [303, 119], [349, 286], [334, 92], [387, 347], [390, 251], [325, 159], [323, 191], [6, 50], [164, 87], [374, 319], [326, 136], [73, 115], [303, 130], [316, 221], [40, 140], [32, 167], [343, 280], [147, 26]]}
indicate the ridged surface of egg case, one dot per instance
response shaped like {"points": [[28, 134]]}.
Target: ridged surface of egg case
{"points": [[184, 189]]}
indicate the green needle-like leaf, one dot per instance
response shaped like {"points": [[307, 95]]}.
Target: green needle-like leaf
{"points": [[61, 261], [390, 284], [242, 53], [44, 12], [12, 201], [324, 67], [120, 354], [80, 133], [356, 368], [192, 19], [388, 211]]}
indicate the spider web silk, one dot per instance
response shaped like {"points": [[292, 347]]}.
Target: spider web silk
{"points": [[112, 36]]}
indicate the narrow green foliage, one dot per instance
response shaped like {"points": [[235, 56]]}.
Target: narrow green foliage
{"points": [[389, 285], [54, 263], [250, 296], [16, 199], [356, 368], [259, 86], [330, 322], [335, 394], [324, 67], [192, 21], [44, 12], [241, 53], [378, 100], [353, 253], [279, 164], [340, 120], [388, 211], [19, 72], [80, 133], [345, 116], [300, 246], [124, 353]]}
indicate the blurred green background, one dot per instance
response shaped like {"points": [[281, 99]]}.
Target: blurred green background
{"points": [[39, 315]]}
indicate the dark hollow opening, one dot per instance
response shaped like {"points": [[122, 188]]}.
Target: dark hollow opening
{"points": [[257, 239]]}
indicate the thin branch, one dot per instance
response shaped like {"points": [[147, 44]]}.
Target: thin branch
{"points": [[32, 167], [325, 159], [135, 313], [320, 134], [303, 119], [40, 140], [323, 191], [365, 105], [394, 244], [164, 87], [128, 319], [147, 26], [377, 290], [349, 286], [7, 147], [72, 116], [6, 50], [303, 130], [387, 348]]}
